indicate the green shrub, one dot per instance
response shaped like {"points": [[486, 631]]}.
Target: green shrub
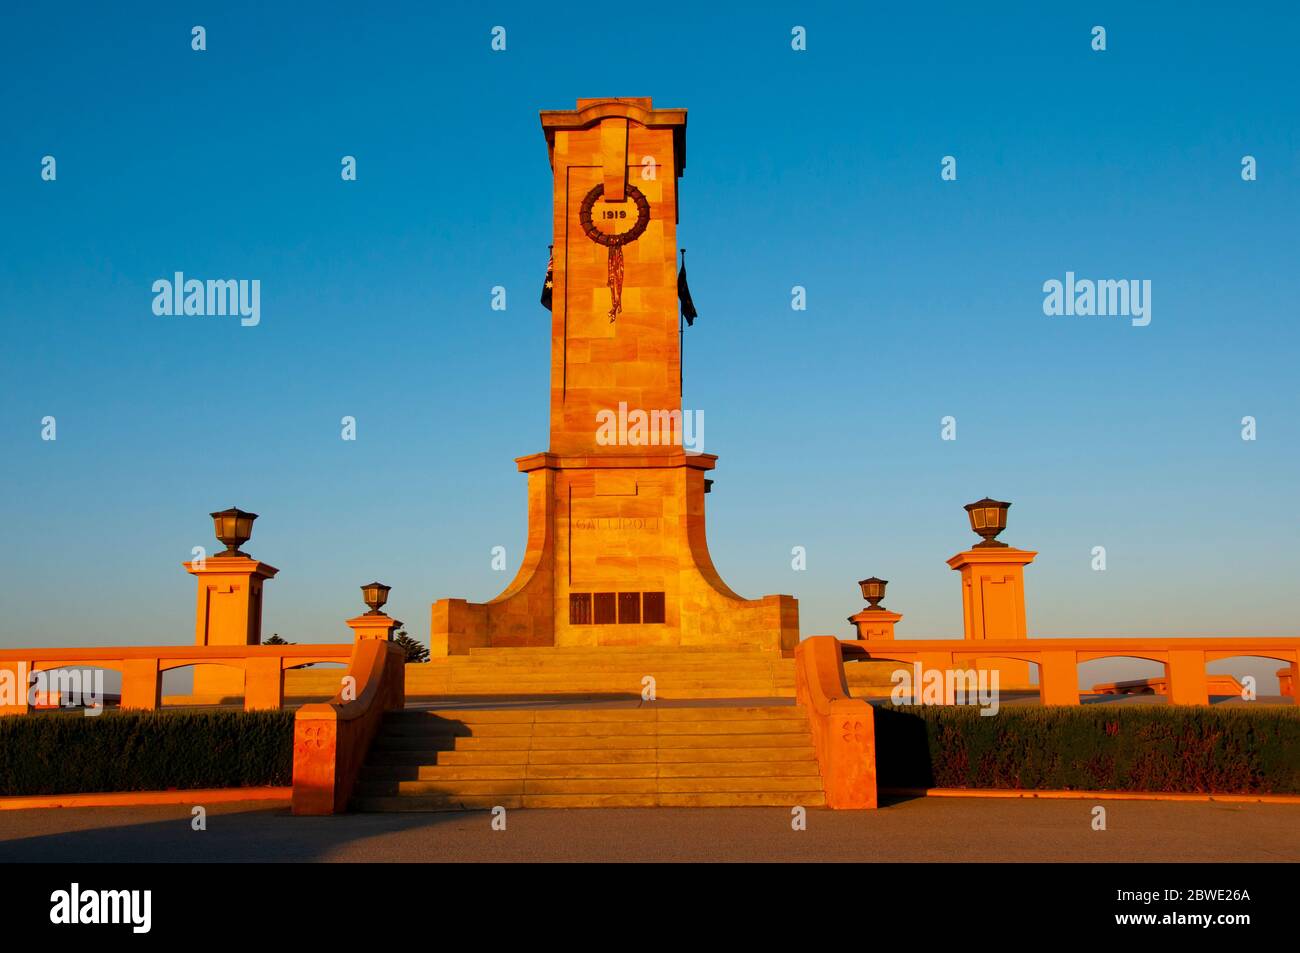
{"points": [[65, 753], [1167, 748]]}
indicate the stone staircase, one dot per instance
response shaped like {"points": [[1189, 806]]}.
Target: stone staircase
{"points": [[677, 672], [606, 671], [651, 756]]}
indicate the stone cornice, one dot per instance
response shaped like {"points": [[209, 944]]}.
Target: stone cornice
{"points": [[669, 460]]}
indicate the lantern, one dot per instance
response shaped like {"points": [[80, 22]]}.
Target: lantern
{"points": [[233, 527], [375, 595], [873, 590], [988, 517]]}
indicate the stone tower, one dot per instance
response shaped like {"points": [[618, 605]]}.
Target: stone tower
{"points": [[616, 551]]}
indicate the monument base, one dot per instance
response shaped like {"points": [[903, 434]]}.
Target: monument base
{"points": [[616, 557]]}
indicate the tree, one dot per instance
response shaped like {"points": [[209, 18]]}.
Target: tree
{"points": [[275, 640], [414, 649]]}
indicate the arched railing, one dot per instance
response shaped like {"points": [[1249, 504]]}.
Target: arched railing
{"points": [[1058, 660], [142, 667]]}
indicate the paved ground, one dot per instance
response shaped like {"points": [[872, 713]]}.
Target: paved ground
{"points": [[923, 829]]}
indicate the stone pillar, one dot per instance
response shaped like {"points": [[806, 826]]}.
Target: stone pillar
{"points": [[142, 683], [375, 625], [228, 612], [263, 684], [1185, 671], [1058, 678], [876, 625], [616, 507], [993, 602]]}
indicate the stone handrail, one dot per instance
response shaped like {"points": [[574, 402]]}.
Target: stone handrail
{"points": [[142, 667], [843, 728], [1058, 660], [330, 740]]}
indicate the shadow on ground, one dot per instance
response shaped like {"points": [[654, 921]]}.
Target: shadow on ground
{"points": [[235, 832]]}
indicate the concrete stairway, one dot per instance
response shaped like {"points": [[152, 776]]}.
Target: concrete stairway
{"points": [[629, 757], [679, 673]]}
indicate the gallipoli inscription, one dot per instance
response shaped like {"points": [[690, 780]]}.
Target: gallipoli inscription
{"points": [[620, 524]]}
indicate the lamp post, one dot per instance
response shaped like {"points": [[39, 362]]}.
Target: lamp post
{"points": [[993, 589], [375, 624], [375, 595], [875, 623], [229, 606], [988, 517], [233, 527], [873, 590]]}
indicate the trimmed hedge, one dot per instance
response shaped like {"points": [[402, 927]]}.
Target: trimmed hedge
{"points": [[1166, 748], [1155, 748], [60, 753]]}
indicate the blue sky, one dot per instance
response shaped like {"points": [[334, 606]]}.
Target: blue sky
{"points": [[817, 168]]}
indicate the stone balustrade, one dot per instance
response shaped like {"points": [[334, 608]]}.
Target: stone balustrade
{"points": [[142, 668]]}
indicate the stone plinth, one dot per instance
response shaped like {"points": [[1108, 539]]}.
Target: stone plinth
{"points": [[373, 625], [993, 602], [875, 625], [228, 612]]}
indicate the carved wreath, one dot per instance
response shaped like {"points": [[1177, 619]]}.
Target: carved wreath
{"points": [[615, 243], [623, 238]]}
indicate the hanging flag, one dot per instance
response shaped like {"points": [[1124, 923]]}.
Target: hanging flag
{"points": [[550, 278], [684, 294]]}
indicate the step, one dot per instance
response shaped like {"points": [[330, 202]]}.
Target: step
{"points": [[396, 757], [746, 799], [496, 787], [601, 650], [590, 800], [442, 802], [629, 755], [643, 756], [438, 730], [553, 670], [624, 671], [650, 769], [522, 756], [741, 769], [738, 726], [504, 672], [663, 687], [690, 755], [768, 740], [387, 742], [602, 663], [445, 802], [739, 712], [737, 785], [494, 693], [661, 741], [481, 788], [448, 772], [540, 772]]}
